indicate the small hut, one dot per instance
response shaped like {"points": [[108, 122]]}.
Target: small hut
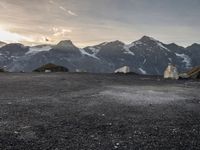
{"points": [[80, 71], [124, 70], [51, 68], [171, 72]]}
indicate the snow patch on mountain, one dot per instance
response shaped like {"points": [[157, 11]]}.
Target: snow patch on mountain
{"points": [[94, 51], [138, 43], [37, 49], [162, 46], [104, 43], [170, 59], [127, 49], [186, 59], [83, 52], [145, 60], [142, 71]]}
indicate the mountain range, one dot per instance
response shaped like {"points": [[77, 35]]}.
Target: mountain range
{"points": [[145, 56]]}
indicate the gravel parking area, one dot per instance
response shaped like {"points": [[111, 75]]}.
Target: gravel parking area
{"points": [[59, 111]]}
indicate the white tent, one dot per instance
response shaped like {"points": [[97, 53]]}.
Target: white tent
{"points": [[124, 69], [47, 71], [171, 72]]}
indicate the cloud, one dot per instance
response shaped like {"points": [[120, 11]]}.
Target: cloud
{"points": [[69, 12], [8, 36], [51, 2], [60, 32], [101, 20], [3, 5], [72, 13], [62, 8]]}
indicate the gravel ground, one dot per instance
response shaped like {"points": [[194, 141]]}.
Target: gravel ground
{"points": [[59, 111]]}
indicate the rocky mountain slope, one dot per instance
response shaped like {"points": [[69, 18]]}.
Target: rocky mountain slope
{"points": [[2, 44], [145, 56]]}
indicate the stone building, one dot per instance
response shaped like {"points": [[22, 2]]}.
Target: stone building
{"points": [[124, 70], [171, 72]]}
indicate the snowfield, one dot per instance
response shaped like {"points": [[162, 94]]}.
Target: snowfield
{"points": [[127, 49], [142, 71], [83, 52], [186, 59], [34, 50]]}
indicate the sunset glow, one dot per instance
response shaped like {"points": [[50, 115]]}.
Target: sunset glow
{"points": [[90, 22], [9, 37]]}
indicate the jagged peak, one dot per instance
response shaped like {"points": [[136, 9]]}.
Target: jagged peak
{"points": [[41, 46], [1, 43], [65, 42], [172, 44], [14, 44], [148, 38], [116, 42], [195, 44], [145, 39], [101, 44]]}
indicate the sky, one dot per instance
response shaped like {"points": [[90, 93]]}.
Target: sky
{"points": [[90, 22]]}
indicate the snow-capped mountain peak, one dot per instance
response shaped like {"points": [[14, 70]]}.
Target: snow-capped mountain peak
{"points": [[147, 38], [150, 42], [145, 56], [64, 44]]}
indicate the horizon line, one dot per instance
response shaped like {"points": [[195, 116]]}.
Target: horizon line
{"points": [[109, 41]]}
